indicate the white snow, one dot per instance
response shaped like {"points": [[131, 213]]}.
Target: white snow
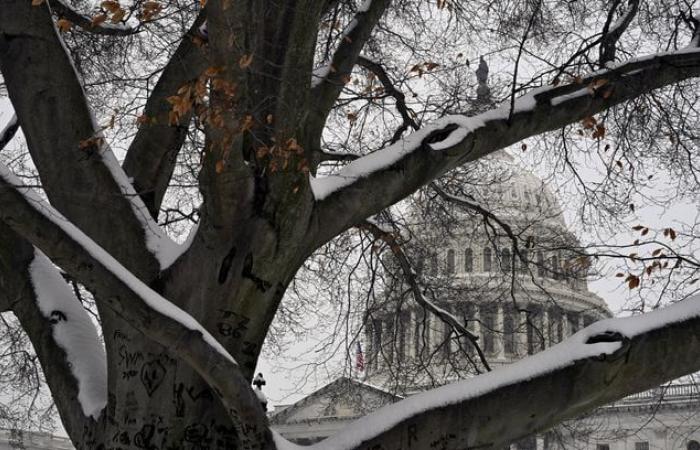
{"points": [[556, 357], [150, 297], [73, 331], [163, 248]]}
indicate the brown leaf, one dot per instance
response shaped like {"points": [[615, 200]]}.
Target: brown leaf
{"points": [[64, 25], [110, 5], [245, 61], [98, 19], [37, 2], [219, 166]]}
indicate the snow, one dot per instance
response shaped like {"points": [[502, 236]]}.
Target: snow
{"points": [[556, 357], [158, 243], [74, 332], [150, 297]]}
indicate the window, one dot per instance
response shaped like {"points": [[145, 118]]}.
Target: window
{"points": [[602, 447], [450, 261], [641, 445], [487, 259], [433, 265], [556, 270], [572, 318], [468, 260], [540, 264], [488, 323], [376, 338], [505, 260]]}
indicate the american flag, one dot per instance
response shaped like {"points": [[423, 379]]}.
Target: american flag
{"points": [[359, 358]]}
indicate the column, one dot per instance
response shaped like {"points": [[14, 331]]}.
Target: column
{"points": [[545, 327], [580, 321], [522, 334], [411, 335], [476, 327], [565, 325], [498, 341]]}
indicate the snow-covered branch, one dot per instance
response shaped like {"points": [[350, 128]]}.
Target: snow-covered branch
{"points": [[97, 189], [368, 184], [118, 289], [604, 362]]}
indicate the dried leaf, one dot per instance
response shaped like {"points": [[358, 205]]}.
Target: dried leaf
{"points": [[219, 166], [245, 61], [64, 25], [98, 19]]}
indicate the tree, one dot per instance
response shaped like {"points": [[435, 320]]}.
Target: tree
{"points": [[264, 83]]}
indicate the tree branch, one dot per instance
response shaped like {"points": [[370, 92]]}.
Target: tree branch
{"points": [[329, 82], [62, 139], [605, 362], [410, 277], [9, 131], [613, 32], [371, 183], [119, 290], [18, 296], [152, 155], [86, 23], [391, 90]]}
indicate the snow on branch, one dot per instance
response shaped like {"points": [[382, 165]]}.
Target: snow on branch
{"points": [[367, 185], [85, 251], [117, 288], [601, 363], [74, 332]]}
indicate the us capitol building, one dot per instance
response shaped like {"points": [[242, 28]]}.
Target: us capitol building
{"points": [[515, 299]]}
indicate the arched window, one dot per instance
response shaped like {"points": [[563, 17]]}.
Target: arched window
{"points": [[505, 260], [450, 261], [433, 265], [487, 259], [468, 260]]}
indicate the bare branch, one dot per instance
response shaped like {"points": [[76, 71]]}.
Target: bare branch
{"points": [[613, 31], [410, 277]]}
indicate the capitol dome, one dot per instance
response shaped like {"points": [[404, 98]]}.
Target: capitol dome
{"points": [[518, 288]]}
